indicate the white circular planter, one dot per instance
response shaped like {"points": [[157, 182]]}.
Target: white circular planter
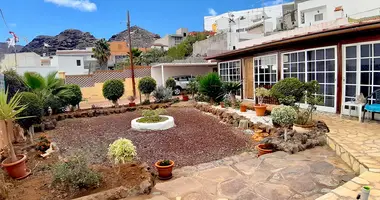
{"points": [[169, 123]]}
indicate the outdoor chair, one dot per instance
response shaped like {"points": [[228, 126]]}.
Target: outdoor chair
{"points": [[373, 107]]}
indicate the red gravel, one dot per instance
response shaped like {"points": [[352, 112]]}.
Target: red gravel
{"points": [[197, 138]]}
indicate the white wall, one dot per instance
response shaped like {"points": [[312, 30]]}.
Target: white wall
{"points": [[68, 64], [351, 8], [41, 70], [23, 59], [170, 71]]}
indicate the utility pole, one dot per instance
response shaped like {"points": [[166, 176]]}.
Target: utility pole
{"points": [[130, 54]]}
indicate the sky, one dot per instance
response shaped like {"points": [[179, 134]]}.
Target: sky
{"points": [[104, 18]]}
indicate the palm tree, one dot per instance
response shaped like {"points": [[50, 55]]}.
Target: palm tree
{"points": [[102, 52], [50, 89]]}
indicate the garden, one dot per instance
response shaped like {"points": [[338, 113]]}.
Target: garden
{"points": [[52, 149]]}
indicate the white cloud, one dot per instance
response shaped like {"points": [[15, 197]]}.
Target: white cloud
{"points": [[82, 5], [212, 12], [273, 2]]}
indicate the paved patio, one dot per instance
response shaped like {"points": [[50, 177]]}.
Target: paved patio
{"points": [[306, 175]]}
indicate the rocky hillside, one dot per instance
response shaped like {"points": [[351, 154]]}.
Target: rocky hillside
{"points": [[68, 39], [4, 48], [140, 37]]}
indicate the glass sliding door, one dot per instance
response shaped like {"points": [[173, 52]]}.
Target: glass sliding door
{"points": [[265, 71], [314, 64], [230, 72], [361, 65]]}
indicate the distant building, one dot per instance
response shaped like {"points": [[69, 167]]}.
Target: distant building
{"points": [[171, 39], [119, 52], [26, 59]]}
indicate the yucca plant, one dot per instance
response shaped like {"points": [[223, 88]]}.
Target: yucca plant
{"points": [[9, 111], [231, 88], [211, 86]]}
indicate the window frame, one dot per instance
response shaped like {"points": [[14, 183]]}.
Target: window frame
{"points": [[80, 63], [238, 76], [258, 74]]}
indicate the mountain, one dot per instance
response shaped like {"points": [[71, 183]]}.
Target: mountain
{"points": [[68, 39], [4, 49], [139, 36]]}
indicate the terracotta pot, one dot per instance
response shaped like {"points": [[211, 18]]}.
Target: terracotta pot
{"points": [[164, 172], [264, 149], [17, 169], [243, 108], [221, 104], [185, 98], [132, 104], [260, 109], [303, 128]]}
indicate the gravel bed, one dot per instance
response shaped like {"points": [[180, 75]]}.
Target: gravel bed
{"points": [[197, 138]]}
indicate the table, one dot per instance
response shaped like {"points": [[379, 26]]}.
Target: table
{"points": [[353, 104]]}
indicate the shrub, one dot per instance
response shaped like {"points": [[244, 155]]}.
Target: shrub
{"points": [[34, 109], [231, 87], [170, 83], [43, 143], [153, 116], [76, 98], [288, 91], [55, 103], [14, 83], [192, 87], [164, 163], [261, 93], [311, 97], [147, 85], [283, 115], [113, 90], [75, 173], [122, 151], [211, 86], [162, 94]]}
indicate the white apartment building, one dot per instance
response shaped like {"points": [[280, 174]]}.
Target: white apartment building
{"points": [[319, 11], [171, 40]]}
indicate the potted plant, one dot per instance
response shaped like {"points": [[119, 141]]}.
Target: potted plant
{"points": [[14, 164], [304, 121], [264, 148], [222, 104], [243, 108], [184, 96], [131, 100], [260, 108], [164, 168]]}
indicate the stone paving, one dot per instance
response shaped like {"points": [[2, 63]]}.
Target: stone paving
{"points": [[358, 144], [305, 175]]}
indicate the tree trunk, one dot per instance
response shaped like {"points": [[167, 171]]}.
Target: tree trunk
{"points": [[31, 133], [233, 98], [9, 125]]}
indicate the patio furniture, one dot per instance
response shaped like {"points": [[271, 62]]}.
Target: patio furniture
{"points": [[373, 104], [350, 105]]}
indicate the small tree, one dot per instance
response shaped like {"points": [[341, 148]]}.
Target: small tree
{"points": [[113, 90], [77, 97], [288, 91], [14, 83], [170, 83], [261, 93], [284, 116], [193, 87], [34, 109], [311, 97], [102, 52], [211, 86], [231, 88], [147, 85]]}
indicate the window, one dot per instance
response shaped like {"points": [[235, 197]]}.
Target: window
{"points": [[230, 72], [265, 71], [302, 17], [318, 17], [314, 64], [177, 40], [78, 63], [361, 70]]}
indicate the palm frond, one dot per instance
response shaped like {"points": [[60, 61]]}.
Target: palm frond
{"points": [[34, 80], [52, 81], [10, 109]]}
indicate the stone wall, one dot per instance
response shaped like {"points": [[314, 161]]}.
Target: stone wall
{"points": [[211, 46]]}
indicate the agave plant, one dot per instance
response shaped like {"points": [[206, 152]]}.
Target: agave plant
{"points": [[231, 88], [9, 111]]}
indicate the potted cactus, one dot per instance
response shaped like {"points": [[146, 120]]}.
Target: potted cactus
{"points": [[131, 100], [260, 108], [14, 164], [164, 168]]}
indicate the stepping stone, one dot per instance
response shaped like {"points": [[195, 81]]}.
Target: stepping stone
{"points": [[322, 167], [273, 191], [179, 187], [219, 174], [248, 167], [232, 187]]}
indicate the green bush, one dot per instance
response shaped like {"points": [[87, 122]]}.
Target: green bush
{"points": [[162, 94], [211, 86], [77, 97], [153, 116], [288, 91], [34, 108], [113, 90], [75, 173], [193, 87], [283, 115], [170, 83], [57, 104], [147, 85], [14, 83], [122, 151]]}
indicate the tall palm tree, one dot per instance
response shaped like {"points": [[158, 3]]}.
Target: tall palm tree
{"points": [[102, 52]]}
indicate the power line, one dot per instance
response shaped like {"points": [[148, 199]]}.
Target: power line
{"points": [[2, 16]]}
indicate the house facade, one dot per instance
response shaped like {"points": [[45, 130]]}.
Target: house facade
{"points": [[171, 40], [345, 60]]}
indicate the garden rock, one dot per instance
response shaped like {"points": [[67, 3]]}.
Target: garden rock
{"points": [[243, 124]]}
